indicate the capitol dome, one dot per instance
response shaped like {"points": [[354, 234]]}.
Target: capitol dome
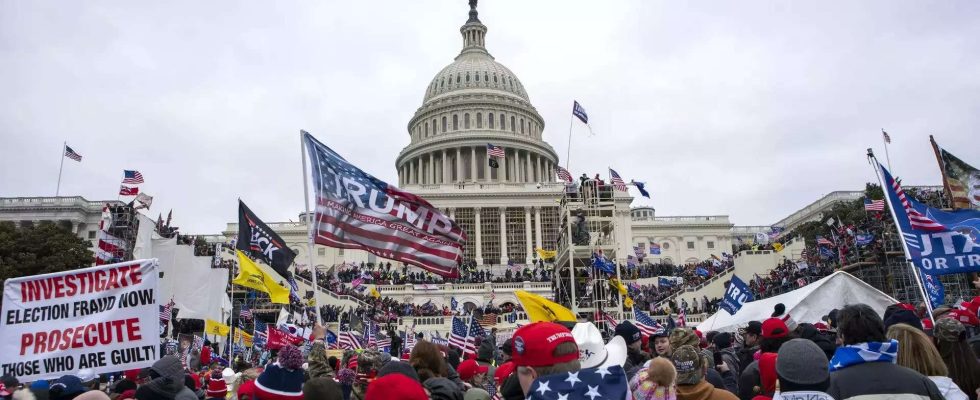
{"points": [[470, 104]]}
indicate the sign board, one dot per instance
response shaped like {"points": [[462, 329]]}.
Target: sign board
{"points": [[106, 318]]}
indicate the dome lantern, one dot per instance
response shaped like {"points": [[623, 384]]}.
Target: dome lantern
{"points": [[474, 33]]}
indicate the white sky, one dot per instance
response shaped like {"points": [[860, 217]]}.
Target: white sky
{"points": [[752, 109]]}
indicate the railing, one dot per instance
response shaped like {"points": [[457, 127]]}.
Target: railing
{"points": [[332, 294], [486, 286], [819, 205], [700, 286], [686, 218], [73, 201], [482, 186]]}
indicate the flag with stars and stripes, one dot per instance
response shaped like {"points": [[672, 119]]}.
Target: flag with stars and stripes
{"points": [[616, 180], [72, 154], [917, 219], [563, 174], [461, 338], [349, 340], [132, 177], [355, 210], [647, 325], [591, 383], [874, 205], [245, 312], [167, 311], [495, 151]]}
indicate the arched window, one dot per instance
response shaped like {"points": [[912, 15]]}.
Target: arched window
{"points": [[494, 77], [458, 80], [426, 129], [513, 128], [442, 83], [486, 77], [503, 122], [467, 77], [455, 122], [466, 121], [522, 125], [477, 76], [444, 125], [490, 120], [479, 120]]}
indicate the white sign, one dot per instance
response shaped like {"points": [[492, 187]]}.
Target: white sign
{"points": [[105, 318]]}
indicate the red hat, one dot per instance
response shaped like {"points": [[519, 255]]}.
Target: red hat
{"points": [[132, 374], [534, 344], [470, 368], [964, 316], [822, 327], [217, 387], [927, 324], [503, 371], [767, 373], [247, 390], [395, 386], [773, 328], [129, 394]]}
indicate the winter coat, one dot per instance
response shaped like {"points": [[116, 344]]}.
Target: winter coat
{"points": [[170, 383], [802, 395], [948, 388], [318, 365], [749, 380], [635, 358], [703, 391], [881, 380], [443, 389], [745, 357]]}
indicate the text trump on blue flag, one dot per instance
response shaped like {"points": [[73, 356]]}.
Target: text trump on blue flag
{"points": [[355, 210]]}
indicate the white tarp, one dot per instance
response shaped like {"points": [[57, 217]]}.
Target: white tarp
{"points": [[197, 290], [144, 237], [806, 304]]}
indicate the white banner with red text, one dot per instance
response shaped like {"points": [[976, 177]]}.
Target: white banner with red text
{"points": [[106, 318]]}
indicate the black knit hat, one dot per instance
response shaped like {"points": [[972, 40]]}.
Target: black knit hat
{"points": [[629, 332]]}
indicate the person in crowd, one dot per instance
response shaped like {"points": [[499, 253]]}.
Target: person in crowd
{"points": [[916, 351], [750, 345], [8, 385], [656, 381], [864, 367], [632, 336], [691, 367], [394, 386], [432, 369], [166, 382], [473, 374], [721, 379], [661, 343], [774, 334], [722, 343], [825, 341], [801, 368], [217, 388], [543, 348], [485, 357], [282, 379], [964, 369], [327, 389]]}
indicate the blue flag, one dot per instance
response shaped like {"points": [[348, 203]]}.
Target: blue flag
{"points": [[579, 112], [736, 296], [939, 242], [935, 290], [826, 253], [665, 282], [701, 271], [643, 191], [864, 239], [601, 263], [331, 338]]}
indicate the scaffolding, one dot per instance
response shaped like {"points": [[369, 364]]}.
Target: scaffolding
{"points": [[587, 226], [124, 227]]}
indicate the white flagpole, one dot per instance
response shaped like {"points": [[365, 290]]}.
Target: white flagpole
{"points": [[61, 168], [568, 152], [309, 227], [901, 238]]}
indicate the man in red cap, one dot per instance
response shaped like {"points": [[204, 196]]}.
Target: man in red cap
{"points": [[543, 348], [774, 334]]}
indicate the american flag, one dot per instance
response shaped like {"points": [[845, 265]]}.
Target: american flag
{"points": [[563, 174], [167, 311], [371, 334], [349, 340], [822, 241], [460, 338], [132, 177], [647, 324], [111, 249], [488, 319], [607, 382], [453, 303], [410, 338], [495, 151], [916, 219], [198, 342], [616, 180], [72, 154], [245, 312], [874, 205], [476, 330], [366, 213], [801, 282], [884, 135], [608, 318], [682, 318]]}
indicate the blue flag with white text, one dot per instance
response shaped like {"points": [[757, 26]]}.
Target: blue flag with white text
{"points": [[935, 290], [736, 296]]}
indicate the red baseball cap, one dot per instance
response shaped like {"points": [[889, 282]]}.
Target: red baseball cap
{"points": [[395, 386], [774, 328], [964, 316], [470, 368], [534, 344], [503, 371]]}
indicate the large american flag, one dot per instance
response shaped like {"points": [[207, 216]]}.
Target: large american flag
{"points": [[563, 174], [72, 154], [488, 319], [874, 205], [358, 211], [245, 312], [916, 219], [462, 339], [167, 311], [495, 151], [617, 180], [821, 241], [132, 177], [349, 340], [645, 323]]}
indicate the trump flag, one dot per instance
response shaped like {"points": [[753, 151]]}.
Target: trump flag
{"points": [[355, 210]]}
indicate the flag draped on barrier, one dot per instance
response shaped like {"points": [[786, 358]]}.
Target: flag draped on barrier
{"points": [[355, 210]]}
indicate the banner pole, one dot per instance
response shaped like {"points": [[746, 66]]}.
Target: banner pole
{"points": [[61, 168], [568, 151], [898, 227], [309, 227]]}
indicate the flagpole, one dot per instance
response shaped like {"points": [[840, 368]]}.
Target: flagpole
{"points": [[61, 168], [901, 238], [309, 227], [887, 158], [568, 151]]}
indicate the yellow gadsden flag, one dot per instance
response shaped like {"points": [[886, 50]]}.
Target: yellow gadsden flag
{"points": [[541, 309], [546, 254], [778, 247], [375, 294], [212, 327], [252, 275]]}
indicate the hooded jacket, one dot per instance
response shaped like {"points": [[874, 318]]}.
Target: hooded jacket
{"points": [[443, 389], [703, 391], [170, 383], [882, 380]]}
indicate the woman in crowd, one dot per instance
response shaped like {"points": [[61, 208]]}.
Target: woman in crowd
{"points": [[916, 351], [950, 337]]}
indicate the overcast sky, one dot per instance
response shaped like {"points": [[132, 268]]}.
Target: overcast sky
{"points": [[751, 109]]}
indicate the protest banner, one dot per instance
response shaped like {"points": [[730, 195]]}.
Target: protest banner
{"points": [[736, 296], [105, 318], [278, 338]]}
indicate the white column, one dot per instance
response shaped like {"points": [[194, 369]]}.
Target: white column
{"points": [[503, 236], [502, 171], [528, 169], [459, 164], [445, 166], [540, 173], [452, 214], [418, 171], [537, 227], [527, 235], [479, 240], [409, 179], [432, 167], [473, 173]]}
